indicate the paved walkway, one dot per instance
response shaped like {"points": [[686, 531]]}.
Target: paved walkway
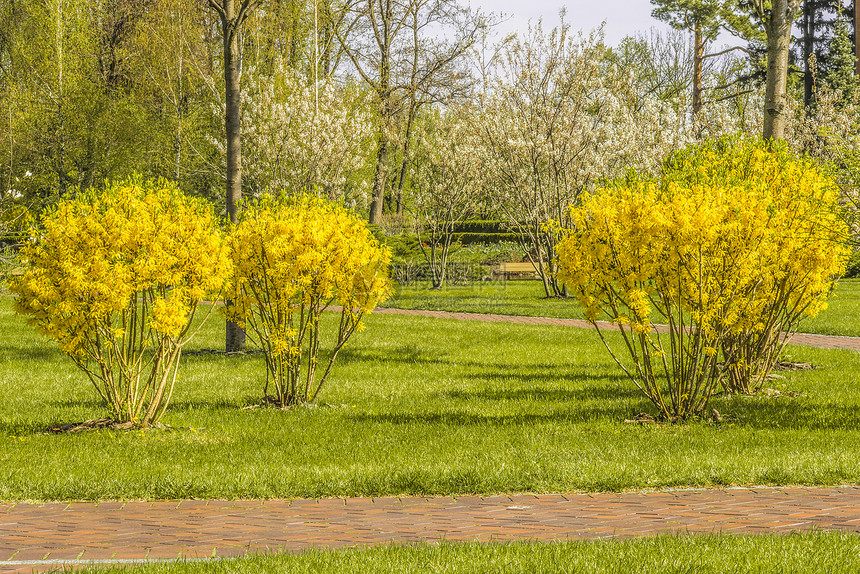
{"points": [[823, 341], [39, 536]]}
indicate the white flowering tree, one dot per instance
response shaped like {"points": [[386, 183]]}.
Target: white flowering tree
{"points": [[305, 140], [444, 184], [831, 135], [559, 118], [739, 115]]}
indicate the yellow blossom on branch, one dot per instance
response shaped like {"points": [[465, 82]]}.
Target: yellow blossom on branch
{"points": [[731, 246], [115, 277], [294, 258]]}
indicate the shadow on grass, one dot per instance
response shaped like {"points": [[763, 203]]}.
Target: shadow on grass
{"points": [[175, 406], [789, 414], [466, 419], [560, 395], [31, 353], [782, 417], [205, 355], [531, 374], [403, 354], [95, 409], [213, 404], [93, 402], [410, 355]]}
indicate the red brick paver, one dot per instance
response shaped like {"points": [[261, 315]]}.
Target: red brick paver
{"points": [[822, 341], [46, 535]]}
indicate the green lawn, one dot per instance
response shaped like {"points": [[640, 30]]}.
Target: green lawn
{"points": [[810, 553], [842, 317], [419, 406], [524, 298]]}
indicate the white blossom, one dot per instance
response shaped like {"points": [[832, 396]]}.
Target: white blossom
{"points": [[299, 141], [558, 121]]}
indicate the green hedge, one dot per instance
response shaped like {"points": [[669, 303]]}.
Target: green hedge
{"points": [[470, 238], [853, 271], [488, 226]]}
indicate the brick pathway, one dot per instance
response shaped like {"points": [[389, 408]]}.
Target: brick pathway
{"points": [[38, 536], [823, 341]]}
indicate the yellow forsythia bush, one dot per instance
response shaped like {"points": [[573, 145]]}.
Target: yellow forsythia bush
{"points": [[293, 259], [115, 277], [732, 245]]}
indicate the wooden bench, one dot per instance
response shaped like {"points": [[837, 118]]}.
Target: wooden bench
{"points": [[510, 270]]}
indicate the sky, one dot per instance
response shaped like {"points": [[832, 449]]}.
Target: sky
{"points": [[623, 17]]}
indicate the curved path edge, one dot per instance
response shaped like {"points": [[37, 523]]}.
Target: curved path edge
{"points": [[41, 536], [809, 339]]}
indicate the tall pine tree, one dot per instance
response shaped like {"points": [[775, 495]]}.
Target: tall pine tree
{"points": [[840, 74], [704, 19], [817, 34]]}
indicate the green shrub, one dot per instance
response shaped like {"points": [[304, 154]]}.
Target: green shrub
{"points": [[468, 238], [852, 270]]}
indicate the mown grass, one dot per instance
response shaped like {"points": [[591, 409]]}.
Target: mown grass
{"points": [[810, 553], [419, 406], [842, 316], [524, 298], [527, 298]]}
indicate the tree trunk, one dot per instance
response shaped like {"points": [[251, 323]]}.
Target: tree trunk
{"points": [[177, 147], [179, 108], [698, 64], [856, 43], [294, 36], [808, 31], [443, 261], [60, 142], [379, 180], [778, 36], [404, 162], [235, 336], [327, 37]]}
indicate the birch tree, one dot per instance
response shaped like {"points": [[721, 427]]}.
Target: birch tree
{"points": [[776, 17]]}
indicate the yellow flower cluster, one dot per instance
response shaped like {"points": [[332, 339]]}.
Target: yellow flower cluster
{"points": [[114, 275], [294, 257], [733, 243], [796, 250]]}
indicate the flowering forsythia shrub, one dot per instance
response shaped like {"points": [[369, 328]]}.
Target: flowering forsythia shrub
{"points": [[733, 245], [115, 277], [293, 258], [799, 250]]}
